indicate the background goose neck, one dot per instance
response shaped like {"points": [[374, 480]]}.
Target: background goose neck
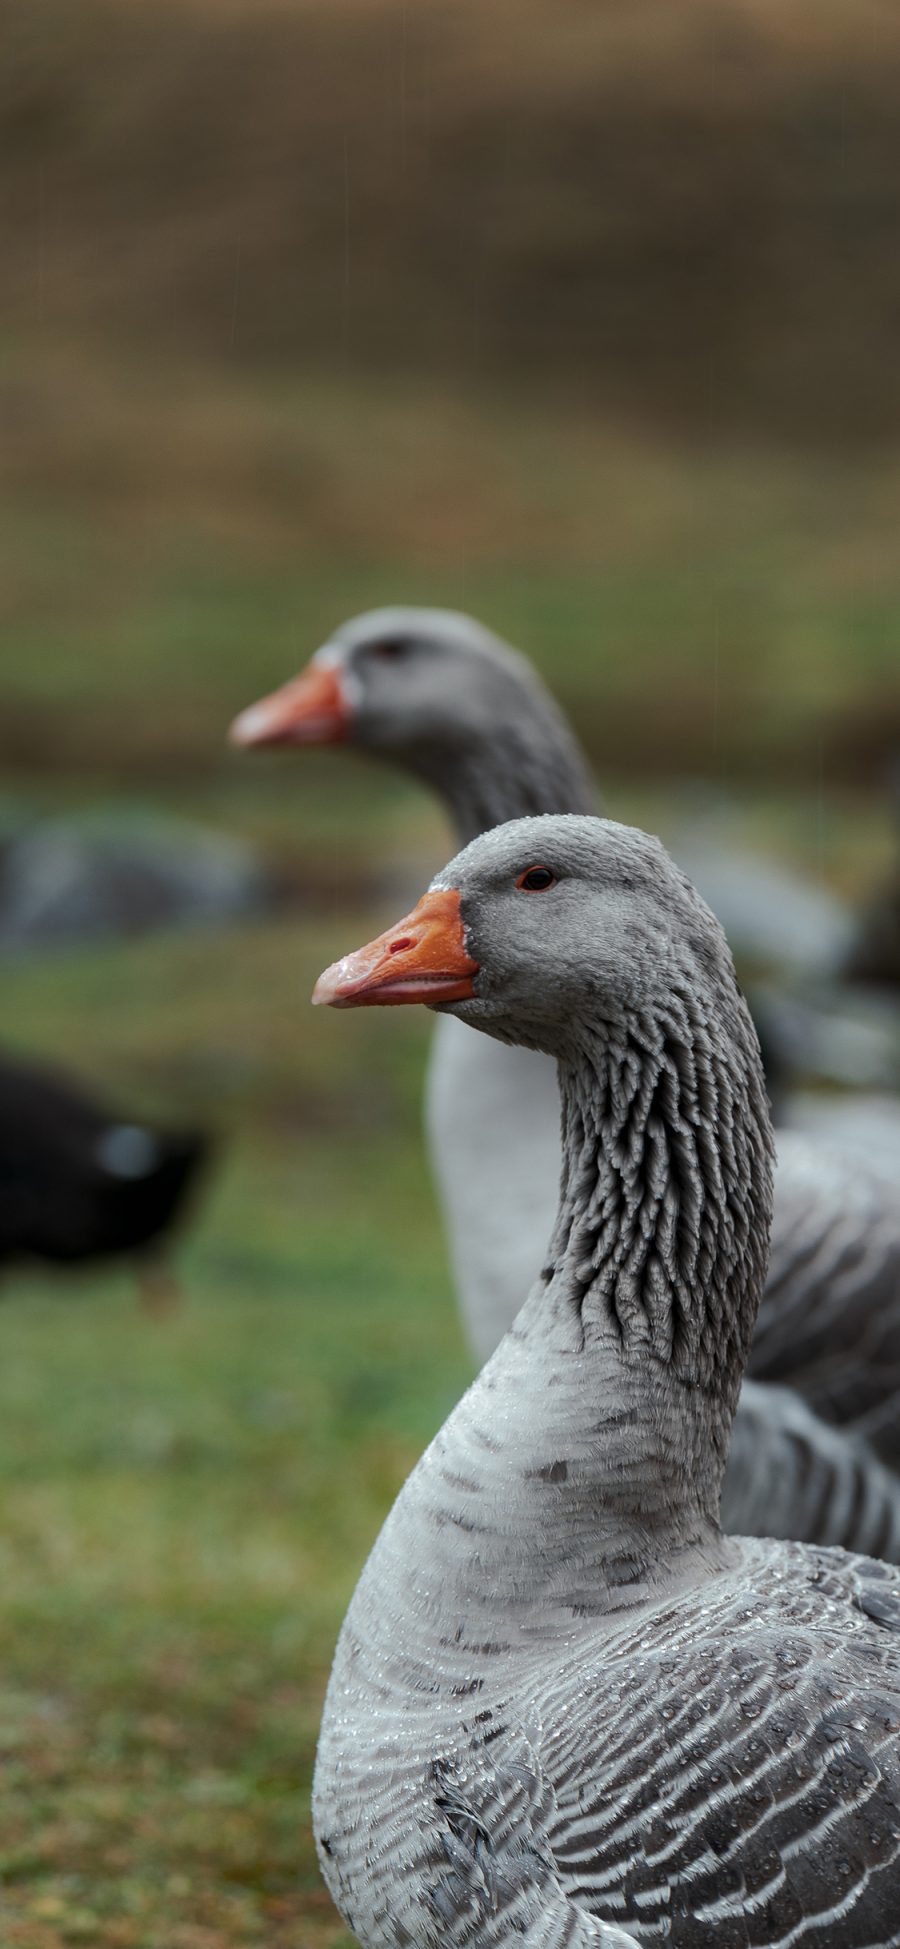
{"points": [[519, 762]]}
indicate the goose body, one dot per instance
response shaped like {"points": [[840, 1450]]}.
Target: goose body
{"points": [[564, 1709], [443, 697], [863, 1125], [497, 1172], [535, 1760], [790, 1473]]}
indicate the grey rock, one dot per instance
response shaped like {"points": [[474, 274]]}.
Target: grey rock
{"points": [[101, 876]]}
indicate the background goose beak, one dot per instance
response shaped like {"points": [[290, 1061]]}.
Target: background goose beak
{"points": [[422, 959], [312, 709]]}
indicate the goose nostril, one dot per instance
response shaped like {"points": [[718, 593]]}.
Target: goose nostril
{"points": [[401, 946]]}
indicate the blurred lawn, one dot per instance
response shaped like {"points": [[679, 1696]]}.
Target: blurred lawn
{"points": [[687, 210], [173, 541], [187, 1500]]}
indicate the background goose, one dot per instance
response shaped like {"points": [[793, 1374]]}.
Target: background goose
{"points": [[865, 1126], [440, 695], [563, 1705], [79, 1182], [874, 954], [791, 1474]]}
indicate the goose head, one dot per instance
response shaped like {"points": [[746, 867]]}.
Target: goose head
{"points": [[443, 697], [581, 938], [389, 680], [548, 926]]}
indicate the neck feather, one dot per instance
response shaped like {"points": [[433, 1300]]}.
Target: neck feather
{"points": [[661, 1240], [525, 762], [580, 1475]]}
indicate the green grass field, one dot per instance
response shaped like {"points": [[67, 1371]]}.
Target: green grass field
{"points": [[187, 1498], [175, 540]]}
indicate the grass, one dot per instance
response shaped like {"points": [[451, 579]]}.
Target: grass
{"points": [[170, 548], [690, 210], [187, 1500]]}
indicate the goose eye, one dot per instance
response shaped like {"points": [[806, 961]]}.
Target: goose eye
{"points": [[390, 650], [536, 880]]}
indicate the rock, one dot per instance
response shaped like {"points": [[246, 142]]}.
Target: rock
{"points": [[105, 875]]}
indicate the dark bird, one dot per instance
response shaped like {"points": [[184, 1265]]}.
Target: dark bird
{"points": [[77, 1180]]}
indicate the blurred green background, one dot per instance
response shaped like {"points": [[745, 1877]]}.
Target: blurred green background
{"points": [[580, 316]]}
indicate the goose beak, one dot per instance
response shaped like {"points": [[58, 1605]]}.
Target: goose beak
{"points": [[422, 959], [313, 709]]}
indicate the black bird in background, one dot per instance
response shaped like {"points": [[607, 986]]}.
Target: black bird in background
{"points": [[78, 1182]]}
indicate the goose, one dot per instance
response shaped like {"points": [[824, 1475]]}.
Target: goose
{"points": [[443, 697], [863, 1125], [874, 954], [565, 1710], [80, 1182]]}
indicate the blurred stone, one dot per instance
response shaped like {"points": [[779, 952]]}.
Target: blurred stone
{"points": [[875, 954], [102, 876], [830, 1035]]}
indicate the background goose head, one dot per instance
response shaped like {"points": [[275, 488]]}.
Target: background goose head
{"points": [[435, 692]]}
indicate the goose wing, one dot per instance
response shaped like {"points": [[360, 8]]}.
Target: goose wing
{"points": [[725, 1777], [791, 1474], [829, 1321]]}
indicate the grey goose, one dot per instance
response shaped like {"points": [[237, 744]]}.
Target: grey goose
{"points": [[446, 699], [564, 1708]]}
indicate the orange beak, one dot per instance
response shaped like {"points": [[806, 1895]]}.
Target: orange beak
{"points": [[313, 709], [422, 959]]}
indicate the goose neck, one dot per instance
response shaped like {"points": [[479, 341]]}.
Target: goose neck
{"points": [[660, 1246], [518, 767]]}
